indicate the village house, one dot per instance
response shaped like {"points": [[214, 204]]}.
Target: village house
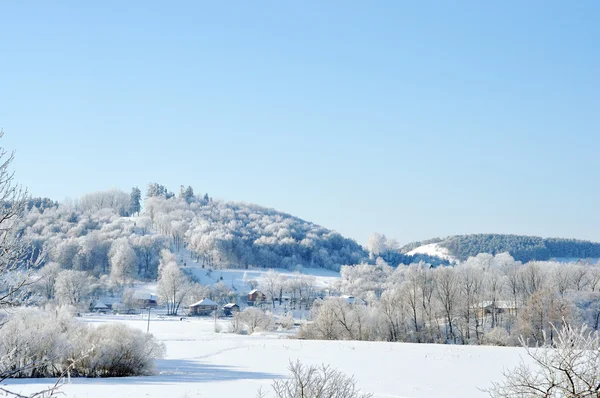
{"points": [[203, 307], [100, 307], [145, 300], [255, 297], [496, 307], [230, 308]]}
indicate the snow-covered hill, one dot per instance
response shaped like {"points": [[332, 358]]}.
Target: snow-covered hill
{"points": [[433, 249]]}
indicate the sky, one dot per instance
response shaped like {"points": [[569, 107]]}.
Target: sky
{"points": [[412, 119]]}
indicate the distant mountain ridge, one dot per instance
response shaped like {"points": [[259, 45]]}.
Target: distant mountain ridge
{"points": [[523, 248]]}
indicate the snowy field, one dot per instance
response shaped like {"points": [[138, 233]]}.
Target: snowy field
{"points": [[202, 363]]}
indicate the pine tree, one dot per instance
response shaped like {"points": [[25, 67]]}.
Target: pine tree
{"points": [[134, 205]]}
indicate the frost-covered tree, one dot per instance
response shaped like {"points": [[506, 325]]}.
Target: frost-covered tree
{"points": [[255, 318], [377, 244], [135, 199], [316, 382], [270, 283], [122, 261], [73, 288], [187, 194], [16, 259], [46, 282], [567, 366], [113, 199], [447, 291], [173, 285]]}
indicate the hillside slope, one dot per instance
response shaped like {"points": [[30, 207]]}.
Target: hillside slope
{"points": [[522, 248], [219, 234]]}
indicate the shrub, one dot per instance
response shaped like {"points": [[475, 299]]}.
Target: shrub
{"points": [[119, 351], [252, 319], [47, 343], [567, 366], [316, 382], [497, 337]]}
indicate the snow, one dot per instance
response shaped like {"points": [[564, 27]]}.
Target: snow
{"points": [[202, 363], [204, 302], [433, 249], [235, 277], [592, 260]]}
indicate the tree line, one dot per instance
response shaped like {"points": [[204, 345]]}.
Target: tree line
{"points": [[522, 248], [484, 300]]}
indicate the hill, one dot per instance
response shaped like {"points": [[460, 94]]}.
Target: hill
{"points": [[90, 233], [522, 248]]}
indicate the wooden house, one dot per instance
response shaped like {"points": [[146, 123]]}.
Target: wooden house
{"points": [[145, 300], [203, 307], [100, 307], [256, 296], [230, 308]]}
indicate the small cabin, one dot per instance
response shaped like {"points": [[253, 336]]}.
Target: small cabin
{"points": [[354, 300], [145, 300], [496, 307], [256, 296], [203, 307], [100, 307], [230, 308]]}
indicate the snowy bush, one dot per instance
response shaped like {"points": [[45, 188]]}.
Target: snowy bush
{"points": [[35, 343], [119, 351], [316, 382], [497, 337], [287, 321], [251, 319], [567, 366], [47, 343]]}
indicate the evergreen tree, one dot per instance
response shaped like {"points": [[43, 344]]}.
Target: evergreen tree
{"points": [[135, 206]]}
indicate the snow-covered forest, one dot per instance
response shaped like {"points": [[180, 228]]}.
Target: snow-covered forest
{"points": [[484, 300], [112, 227], [522, 248]]}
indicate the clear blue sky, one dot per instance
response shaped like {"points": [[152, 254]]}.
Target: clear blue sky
{"points": [[414, 119]]}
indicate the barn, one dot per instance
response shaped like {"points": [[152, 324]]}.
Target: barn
{"points": [[256, 296]]}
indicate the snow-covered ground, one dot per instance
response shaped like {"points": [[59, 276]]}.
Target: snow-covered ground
{"points": [[235, 277], [202, 363], [433, 249]]}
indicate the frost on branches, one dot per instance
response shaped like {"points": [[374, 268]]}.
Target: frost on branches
{"points": [[569, 366]]}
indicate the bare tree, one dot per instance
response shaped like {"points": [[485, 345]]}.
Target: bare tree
{"points": [[447, 292], [316, 382], [270, 282], [567, 367], [16, 262]]}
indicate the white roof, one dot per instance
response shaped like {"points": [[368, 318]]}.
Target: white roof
{"points": [[229, 305], [204, 303], [100, 305], [139, 295], [499, 304], [253, 291]]}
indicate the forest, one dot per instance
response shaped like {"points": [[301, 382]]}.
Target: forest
{"points": [[492, 300], [522, 248], [106, 227]]}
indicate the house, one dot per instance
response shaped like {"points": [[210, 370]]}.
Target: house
{"points": [[284, 299], [145, 300], [496, 307], [230, 308], [100, 307], [203, 307], [354, 300], [256, 296]]}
